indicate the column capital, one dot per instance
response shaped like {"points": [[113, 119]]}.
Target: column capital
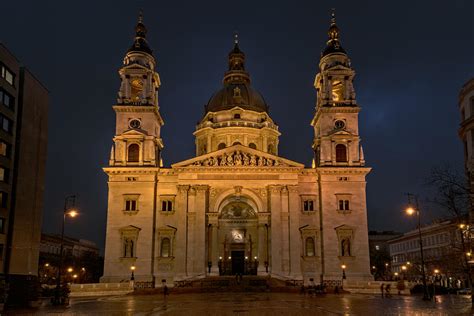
{"points": [[292, 188], [275, 188], [200, 187], [182, 188]]}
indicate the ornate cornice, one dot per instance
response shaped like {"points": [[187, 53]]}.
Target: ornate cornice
{"points": [[130, 170], [343, 170]]}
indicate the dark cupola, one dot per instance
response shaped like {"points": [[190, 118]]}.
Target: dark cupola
{"points": [[333, 45], [140, 44], [237, 90]]}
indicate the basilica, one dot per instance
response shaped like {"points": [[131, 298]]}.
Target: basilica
{"points": [[236, 207]]}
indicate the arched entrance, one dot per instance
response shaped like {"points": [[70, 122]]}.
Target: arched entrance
{"points": [[238, 231]]}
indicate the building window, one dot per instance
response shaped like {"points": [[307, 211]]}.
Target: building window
{"points": [[253, 146], [131, 202], [4, 149], [341, 153], [165, 247], [346, 247], [2, 225], [128, 248], [237, 116], [133, 153], [7, 75], [3, 199], [344, 205], [308, 205], [221, 146], [166, 206], [4, 174], [6, 99], [6, 123], [310, 247]]}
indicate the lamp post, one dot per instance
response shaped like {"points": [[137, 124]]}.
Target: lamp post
{"points": [[69, 204], [343, 275], [132, 278], [468, 260], [416, 210]]}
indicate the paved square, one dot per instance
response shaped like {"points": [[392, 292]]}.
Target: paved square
{"points": [[271, 304]]}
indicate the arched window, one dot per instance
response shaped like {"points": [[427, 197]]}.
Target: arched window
{"points": [[253, 146], [271, 149], [165, 247], [309, 247], [341, 153], [133, 153], [221, 146]]}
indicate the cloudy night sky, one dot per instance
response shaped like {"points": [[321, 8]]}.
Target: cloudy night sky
{"points": [[411, 60]]}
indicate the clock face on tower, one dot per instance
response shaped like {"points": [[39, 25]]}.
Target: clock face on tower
{"points": [[134, 123]]}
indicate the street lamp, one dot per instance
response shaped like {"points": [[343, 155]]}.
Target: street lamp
{"points": [[411, 210], [468, 260], [132, 278], [343, 275], [69, 204]]}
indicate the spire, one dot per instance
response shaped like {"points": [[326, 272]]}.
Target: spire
{"points": [[333, 45], [236, 72], [140, 43]]}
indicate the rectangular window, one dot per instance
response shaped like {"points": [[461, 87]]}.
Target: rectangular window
{"points": [[2, 225], [6, 123], [6, 99], [166, 206], [3, 199], [131, 205], [4, 172], [4, 149], [344, 205], [308, 205], [8, 75]]}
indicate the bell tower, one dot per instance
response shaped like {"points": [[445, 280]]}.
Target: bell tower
{"points": [[137, 140], [336, 127]]}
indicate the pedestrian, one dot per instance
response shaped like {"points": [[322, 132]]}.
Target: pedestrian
{"points": [[381, 289], [165, 291], [387, 290]]}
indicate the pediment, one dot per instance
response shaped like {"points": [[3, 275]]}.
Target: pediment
{"points": [[238, 156], [138, 132], [135, 66], [130, 228], [340, 132]]}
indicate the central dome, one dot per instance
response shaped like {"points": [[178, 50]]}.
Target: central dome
{"points": [[237, 94], [237, 90]]}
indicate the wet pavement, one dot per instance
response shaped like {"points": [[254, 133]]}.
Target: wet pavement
{"points": [[261, 304]]}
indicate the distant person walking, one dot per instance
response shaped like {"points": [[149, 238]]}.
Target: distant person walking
{"points": [[381, 289], [166, 291], [387, 290]]}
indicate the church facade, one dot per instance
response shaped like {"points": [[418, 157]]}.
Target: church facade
{"points": [[237, 207]]}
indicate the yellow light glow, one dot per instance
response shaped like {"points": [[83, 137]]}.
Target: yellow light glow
{"points": [[230, 257], [469, 254], [404, 268], [220, 258], [132, 268], [255, 257], [83, 269], [70, 270], [462, 226], [396, 273], [408, 263], [410, 211], [373, 267], [72, 213], [386, 264], [46, 264], [343, 266], [436, 271], [74, 276]]}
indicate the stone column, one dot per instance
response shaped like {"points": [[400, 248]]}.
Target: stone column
{"points": [[179, 252], [295, 236], [262, 242], [191, 241], [199, 245], [213, 243], [285, 233], [275, 232]]}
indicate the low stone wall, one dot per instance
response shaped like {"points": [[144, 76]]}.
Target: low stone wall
{"points": [[100, 289], [373, 287]]}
